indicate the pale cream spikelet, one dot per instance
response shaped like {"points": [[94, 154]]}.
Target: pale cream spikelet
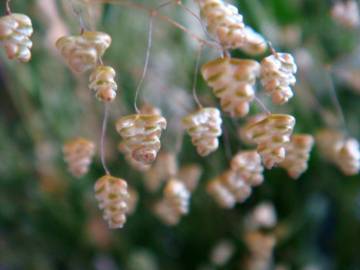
{"points": [[204, 127], [82, 52], [297, 154], [102, 82], [278, 75], [233, 82], [163, 210], [248, 165], [271, 135], [221, 194], [78, 154], [190, 175], [236, 185], [343, 152], [15, 33], [141, 135], [177, 195], [254, 43], [346, 13], [164, 167], [243, 130], [113, 198]]}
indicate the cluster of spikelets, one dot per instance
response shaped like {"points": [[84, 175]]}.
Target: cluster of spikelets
{"points": [[235, 185], [204, 127], [15, 32], [83, 53], [346, 13], [225, 23], [78, 154], [342, 151]]}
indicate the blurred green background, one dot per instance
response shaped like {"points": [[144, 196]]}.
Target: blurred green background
{"points": [[50, 220]]}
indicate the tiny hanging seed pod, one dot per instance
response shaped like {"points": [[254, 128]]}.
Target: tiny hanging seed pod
{"points": [[15, 32], [221, 194], [147, 108], [166, 213], [263, 216], [297, 154], [277, 75], [348, 156], [236, 185], [102, 82], [133, 200], [141, 135], [346, 13], [78, 154], [233, 82], [247, 164], [224, 22], [204, 127], [123, 148], [190, 176], [254, 43], [177, 196], [82, 52], [242, 131], [113, 197], [271, 135]]}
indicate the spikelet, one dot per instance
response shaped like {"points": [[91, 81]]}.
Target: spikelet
{"points": [[204, 127], [123, 148], [254, 43], [102, 82], [277, 75], [271, 135], [15, 32], [236, 185], [263, 216], [346, 13], [166, 213], [343, 152], [133, 200], [78, 154], [297, 154], [232, 81], [260, 245], [242, 131], [141, 135], [190, 176], [147, 108], [221, 194], [82, 52], [248, 165], [178, 197], [113, 197], [164, 167]]}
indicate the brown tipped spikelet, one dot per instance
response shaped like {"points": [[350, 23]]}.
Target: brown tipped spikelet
{"points": [[113, 197], [15, 32], [177, 195], [82, 52], [190, 176], [78, 154], [297, 154], [164, 167], [232, 81], [228, 189], [343, 152], [247, 164], [102, 82], [204, 127], [277, 75], [271, 135], [141, 135]]}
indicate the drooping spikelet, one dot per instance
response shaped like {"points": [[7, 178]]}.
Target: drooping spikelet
{"points": [[177, 195], [204, 127], [15, 32], [228, 188], [166, 213], [190, 176], [164, 167], [343, 152], [102, 82], [297, 154], [277, 75], [271, 135], [141, 135], [250, 120], [346, 13], [232, 81], [248, 165], [82, 52], [225, 23], [78, 154], [113, 197], [123, 148]]}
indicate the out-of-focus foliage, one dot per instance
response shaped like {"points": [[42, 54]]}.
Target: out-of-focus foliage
{"points": [[50, 220]]}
